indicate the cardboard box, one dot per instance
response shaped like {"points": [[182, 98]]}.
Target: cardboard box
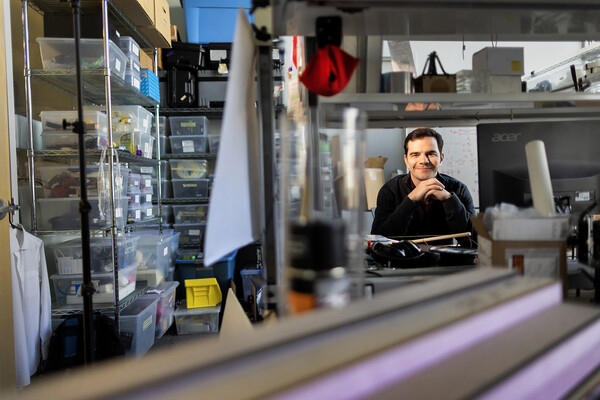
{"points": [[541, 258], [504, 84], [174, 34], [159, 34], [374, 179], [435, 84], [147, 59], [139, 12], [499, 60]]}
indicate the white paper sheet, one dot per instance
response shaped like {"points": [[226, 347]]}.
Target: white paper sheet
{"points": [[234, 213]]}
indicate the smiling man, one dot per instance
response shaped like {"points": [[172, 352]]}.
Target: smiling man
{"points": [[423, 202]]}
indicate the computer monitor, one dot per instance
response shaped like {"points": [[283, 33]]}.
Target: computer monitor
{"points": [[573, 152]]}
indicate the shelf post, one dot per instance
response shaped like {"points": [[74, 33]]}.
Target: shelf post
{"points": [[266, 119], [111, 157], [29, 112]]}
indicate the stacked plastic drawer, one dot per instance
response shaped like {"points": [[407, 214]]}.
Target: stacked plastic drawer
{"points": [[190, 221], [56, 135], [134, 213], [59, 207], [133, 68], [149, 84], [132, 129], [67, 283], [57, 53]]}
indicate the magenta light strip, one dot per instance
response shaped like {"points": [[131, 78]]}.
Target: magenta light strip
{"points": [[374, 374], [556, 372]]}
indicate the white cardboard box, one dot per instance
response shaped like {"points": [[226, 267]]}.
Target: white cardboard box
{"points": [[499, 60]]}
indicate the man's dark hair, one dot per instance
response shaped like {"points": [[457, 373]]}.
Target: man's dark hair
{"points": [[421, 133]]}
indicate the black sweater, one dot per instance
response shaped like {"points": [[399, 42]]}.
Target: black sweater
{"points": [[397, 215]]}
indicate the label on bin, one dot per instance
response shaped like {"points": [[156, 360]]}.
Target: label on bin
{"points": [[149, 198], [165, 251], [119, 212], [189, 124], [188, 146], [147, 182], [117, 64], [136, 198], [146, 170], [194, 232], [148, 212], [147, 323], [68, 265], [138, 214]]}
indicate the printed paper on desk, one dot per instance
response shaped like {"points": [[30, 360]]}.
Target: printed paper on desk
{"points": [[234, 213]]}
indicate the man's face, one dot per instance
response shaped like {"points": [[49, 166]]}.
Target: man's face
{"points": [[423, 158]]}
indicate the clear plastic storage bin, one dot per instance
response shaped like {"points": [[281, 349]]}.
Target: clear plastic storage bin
{"points": [[188, 125], [58, 53], [69, 255], [190, 213], [162, 126], [133, 181], [138, 326], [197, 320], [134, 142], [133, 79], [165, 145], [63, 213], [190, 233], [190, 188], [147, 211], [129, 47], [188, 169], [165, 187], [139, 118], [67, 288], [135, 197], [133, 66], [155, 254], [145, 181], [134, 213], [53, 121], [63, 180], [151, 170], [147, 194], [166, 212], [184, 144], [165, 308], [213, 143], [63, 140]]}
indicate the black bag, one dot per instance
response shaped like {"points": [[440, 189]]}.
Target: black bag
{"points": [[66, 344]]}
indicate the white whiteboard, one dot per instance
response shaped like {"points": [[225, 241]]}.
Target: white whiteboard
{"points": [[460, 157]]}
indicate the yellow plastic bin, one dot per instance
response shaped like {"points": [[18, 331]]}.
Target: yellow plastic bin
{"points": [[202, 292]]}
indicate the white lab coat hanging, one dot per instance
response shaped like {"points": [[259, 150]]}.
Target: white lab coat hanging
{"points": [[31, 303]]}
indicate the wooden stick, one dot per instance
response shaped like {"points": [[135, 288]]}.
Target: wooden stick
{"points": [[436, 238]]}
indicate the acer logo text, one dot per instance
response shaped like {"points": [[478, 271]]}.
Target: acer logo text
{"points": [[505, 137]]}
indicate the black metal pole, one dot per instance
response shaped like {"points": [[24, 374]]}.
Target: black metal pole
{"points": [[84, 206]]}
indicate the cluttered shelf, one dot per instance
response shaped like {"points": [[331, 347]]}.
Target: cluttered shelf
{"points": [[190, 200], [59, 310], [93, 86], [120, 21], [390, 109], [553, 20], [194, 156], [124, 156]]}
